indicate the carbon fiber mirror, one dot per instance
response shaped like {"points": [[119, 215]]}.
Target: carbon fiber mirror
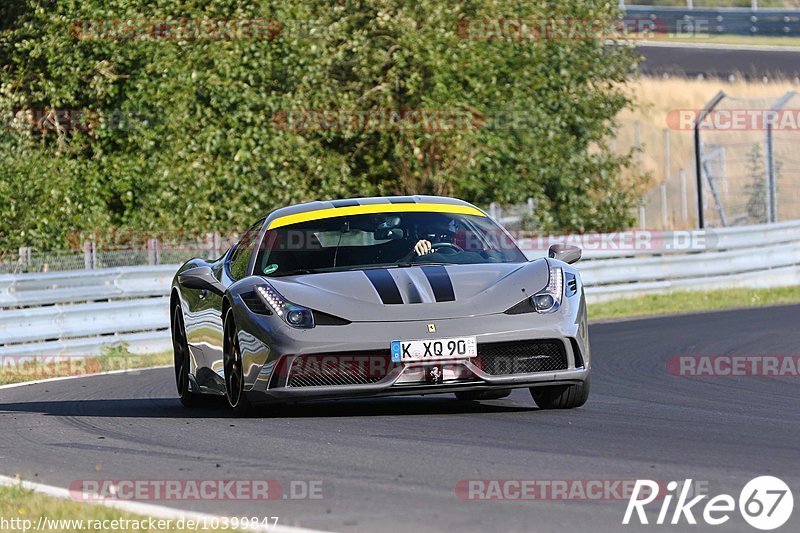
{"points": [[201, 278], [565, 252]]}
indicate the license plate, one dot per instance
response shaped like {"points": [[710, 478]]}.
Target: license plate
{"points": [[434, 349]]}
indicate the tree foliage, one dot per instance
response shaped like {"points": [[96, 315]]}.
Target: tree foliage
{"points": [[191, 134]]}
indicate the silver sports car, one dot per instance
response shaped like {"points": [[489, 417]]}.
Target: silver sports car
{"points": [[376, 297]]}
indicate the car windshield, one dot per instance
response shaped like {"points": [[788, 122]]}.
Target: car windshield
{"points": [[384, 240]]}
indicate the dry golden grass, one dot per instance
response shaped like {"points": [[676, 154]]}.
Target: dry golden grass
{"points": [[655, 98]]}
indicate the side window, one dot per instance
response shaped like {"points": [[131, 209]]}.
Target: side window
{"points": [[240, 256]]}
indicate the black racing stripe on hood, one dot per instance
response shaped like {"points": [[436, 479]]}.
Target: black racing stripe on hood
{"points": [[384, 283], [440, 283]]}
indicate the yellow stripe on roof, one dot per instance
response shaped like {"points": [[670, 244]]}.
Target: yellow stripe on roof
{"points": [[332, 212]]}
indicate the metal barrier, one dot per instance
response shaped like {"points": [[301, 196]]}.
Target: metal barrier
{"points": [[76, 312], [682, 21]]}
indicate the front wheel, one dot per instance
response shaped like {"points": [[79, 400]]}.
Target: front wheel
{"points": [[180, 350], [562, 396], [233, 368]]}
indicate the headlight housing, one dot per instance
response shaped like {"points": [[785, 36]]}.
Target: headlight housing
{"points": [[549, 300], [294, 315]]}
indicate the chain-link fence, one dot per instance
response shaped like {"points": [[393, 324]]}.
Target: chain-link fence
{"points": [[150, 251], [748, 161]]}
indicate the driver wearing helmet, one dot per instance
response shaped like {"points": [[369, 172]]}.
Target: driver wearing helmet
{"points": [[441, 234]]}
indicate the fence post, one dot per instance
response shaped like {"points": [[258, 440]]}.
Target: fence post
{"points": [[24, 258], [684, 200], [213, 241], [89, 255], [772, 185], [153, 252], [698, 155], [771, 188], [666, 154], [638, 133], [642, 215]]}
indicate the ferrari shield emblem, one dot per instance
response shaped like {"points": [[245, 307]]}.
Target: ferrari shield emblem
{"points": [[431, 328]]}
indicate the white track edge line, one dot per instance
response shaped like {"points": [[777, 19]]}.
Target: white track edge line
{"points": [[157, 511], [145, 509]]}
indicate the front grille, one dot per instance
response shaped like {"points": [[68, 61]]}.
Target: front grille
{"points": [[338, 369], [521, 357]]}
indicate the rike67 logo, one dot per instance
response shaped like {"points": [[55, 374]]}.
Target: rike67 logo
{"points": [[765, 503]]}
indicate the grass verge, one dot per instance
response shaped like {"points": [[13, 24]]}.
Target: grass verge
{"points": [[685, 302], [25, 510]]}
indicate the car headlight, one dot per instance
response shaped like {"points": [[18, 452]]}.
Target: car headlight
{"points": [[294, 315], [548, 300]]}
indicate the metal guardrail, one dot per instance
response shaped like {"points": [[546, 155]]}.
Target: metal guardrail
{"points": [[76, 312], [698, 21]]}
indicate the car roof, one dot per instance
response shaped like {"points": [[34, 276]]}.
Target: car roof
{"points": [[328, 208]]}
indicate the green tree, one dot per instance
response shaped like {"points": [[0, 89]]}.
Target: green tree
{"points": [[191, 134]]}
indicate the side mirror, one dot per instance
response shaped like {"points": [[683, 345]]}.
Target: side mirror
{"points": [[201, 278], [565, 252]]}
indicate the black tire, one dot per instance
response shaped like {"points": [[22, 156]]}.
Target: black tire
{"points": [[477, 395], [180, 350], [562, 396], [232, 368]]}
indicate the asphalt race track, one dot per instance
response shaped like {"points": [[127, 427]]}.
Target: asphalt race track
{"points": [[711, 62], [393, 464]]}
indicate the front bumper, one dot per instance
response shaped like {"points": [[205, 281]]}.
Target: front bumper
{"points": [[269, 347], [389, 386]]}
